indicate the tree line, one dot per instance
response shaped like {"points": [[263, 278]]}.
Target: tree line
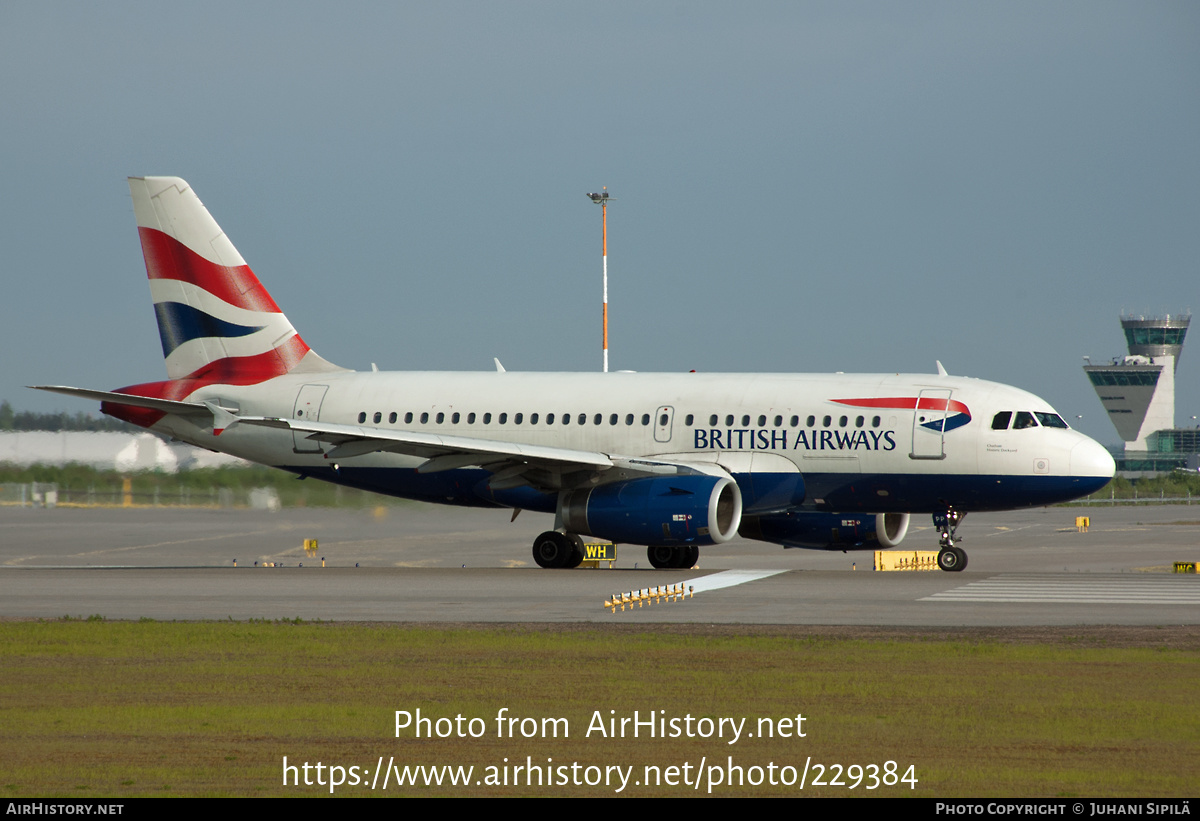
{"points": [[11, 419]]}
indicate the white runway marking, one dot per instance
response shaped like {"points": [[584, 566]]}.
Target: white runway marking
{"points": [[1097, 589], [730, 578]]}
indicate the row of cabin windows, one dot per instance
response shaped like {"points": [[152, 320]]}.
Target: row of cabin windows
{"points": [[439, 418], [455, 418], [811, 421]]}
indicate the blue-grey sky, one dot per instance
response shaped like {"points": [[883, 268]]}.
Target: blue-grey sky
{"points": [[800, 186]]}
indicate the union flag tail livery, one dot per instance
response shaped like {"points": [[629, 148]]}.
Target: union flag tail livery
{"points": [[215, 319], [670, 461], [216, 323]]}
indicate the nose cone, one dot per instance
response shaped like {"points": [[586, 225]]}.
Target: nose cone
{"points": [[1090, 461]]}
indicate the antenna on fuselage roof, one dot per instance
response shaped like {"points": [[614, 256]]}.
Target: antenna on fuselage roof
{"points": [[941, 369]]}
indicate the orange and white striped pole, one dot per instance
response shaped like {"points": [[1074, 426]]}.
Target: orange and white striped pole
{"points": [[602, 199]]}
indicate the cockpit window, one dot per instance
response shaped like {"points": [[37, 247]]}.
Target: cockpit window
{"points": [[1050, 420], [1000, 420], [1024, 420]]}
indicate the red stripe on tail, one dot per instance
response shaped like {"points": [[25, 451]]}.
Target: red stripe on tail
{"points": [[167, 258]]}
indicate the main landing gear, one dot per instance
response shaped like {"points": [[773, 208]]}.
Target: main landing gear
{"points": [[564, 550], [949, 557], [554, 549], [665, 557]]}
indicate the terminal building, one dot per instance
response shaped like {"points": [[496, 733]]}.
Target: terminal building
{"points": [[1138, 391]]}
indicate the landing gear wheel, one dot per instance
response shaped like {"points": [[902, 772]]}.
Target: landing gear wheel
{"points": [[689, 556], [952, 559], [665, 557], [661, 556], [576, 550], [554, 549]]}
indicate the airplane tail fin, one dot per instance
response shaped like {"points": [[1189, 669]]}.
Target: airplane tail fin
{"points": [[216, 321]]}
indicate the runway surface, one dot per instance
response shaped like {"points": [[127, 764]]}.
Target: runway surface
{"points": [[418, 563]]}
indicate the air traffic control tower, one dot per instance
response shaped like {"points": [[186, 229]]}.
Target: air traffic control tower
{"points": [[1138, 391]]}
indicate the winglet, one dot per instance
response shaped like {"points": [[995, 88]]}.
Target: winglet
{"points": [[941, 369], [499, 367]]}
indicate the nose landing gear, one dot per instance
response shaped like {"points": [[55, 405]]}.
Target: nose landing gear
{"points": [[950, 557]]}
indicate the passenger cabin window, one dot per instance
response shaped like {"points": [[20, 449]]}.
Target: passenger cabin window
{"points": [[377, 418], [408, 418], [687, 420], [729, 421], [646, 419], [392, 417], [712, 421], [1000, 421], [441, 417], [1024, 420], [487, 419], [362, 417], [424, 418]]}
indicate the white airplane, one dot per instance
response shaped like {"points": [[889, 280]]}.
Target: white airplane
{"points": [[670, 461]]}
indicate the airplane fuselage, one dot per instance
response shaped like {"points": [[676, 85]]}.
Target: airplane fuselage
{"points": [[670, 461], [831, 442]]}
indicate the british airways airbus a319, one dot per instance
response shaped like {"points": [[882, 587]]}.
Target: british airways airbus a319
{"points": [[670, 461]]}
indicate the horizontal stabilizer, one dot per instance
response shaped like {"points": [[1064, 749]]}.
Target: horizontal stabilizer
{"points": [[164, 405]]}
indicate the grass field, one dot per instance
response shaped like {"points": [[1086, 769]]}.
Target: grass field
{"points": [[90, 708]]}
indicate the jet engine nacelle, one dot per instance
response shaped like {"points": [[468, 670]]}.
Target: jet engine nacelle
{"points": [[828, 531], [660, 510]]}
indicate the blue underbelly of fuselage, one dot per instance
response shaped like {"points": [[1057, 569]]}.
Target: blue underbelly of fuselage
{"points": [[761, 492]]}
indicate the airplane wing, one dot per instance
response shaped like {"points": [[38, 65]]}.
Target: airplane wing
{"points": [[512, 463], [355, 440]]}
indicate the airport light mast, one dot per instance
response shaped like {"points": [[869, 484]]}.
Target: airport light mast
{"points": [[602, 199]]}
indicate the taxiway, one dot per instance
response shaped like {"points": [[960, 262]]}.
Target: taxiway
{"points": [[417, 563]]}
